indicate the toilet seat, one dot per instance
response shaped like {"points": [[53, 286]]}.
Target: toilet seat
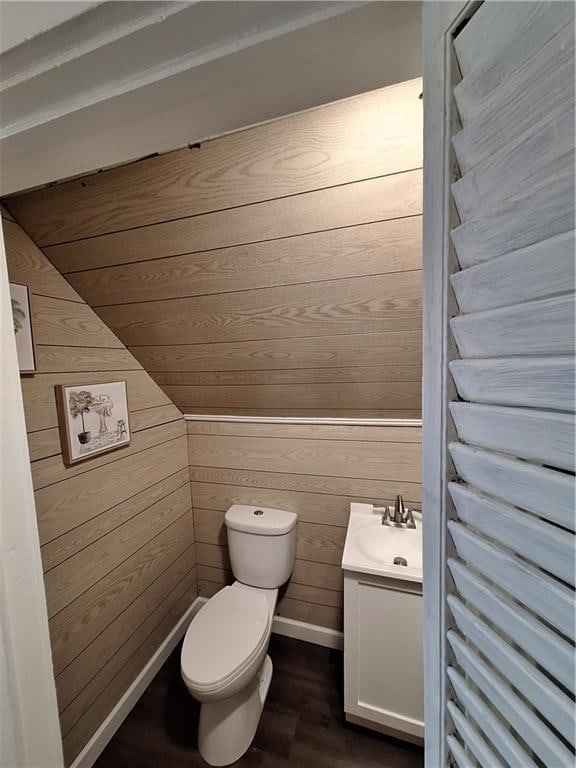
{"points": [[225, 638]]}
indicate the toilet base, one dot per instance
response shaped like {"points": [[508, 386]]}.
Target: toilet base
{"points": [[227, 727]]}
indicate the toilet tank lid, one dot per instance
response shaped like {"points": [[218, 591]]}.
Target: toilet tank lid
{"points": [[262, 521]]}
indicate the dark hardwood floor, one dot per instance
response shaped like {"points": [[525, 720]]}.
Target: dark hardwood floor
{"points": [[302, 725]]}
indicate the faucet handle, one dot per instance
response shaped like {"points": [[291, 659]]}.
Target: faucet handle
{"points": [[410, 518]]}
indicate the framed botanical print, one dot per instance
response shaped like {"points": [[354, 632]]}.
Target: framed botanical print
{"points": [[20, 300], [93, 419]]}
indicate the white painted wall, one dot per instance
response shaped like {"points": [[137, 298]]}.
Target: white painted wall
{"points": [[21, 21]]}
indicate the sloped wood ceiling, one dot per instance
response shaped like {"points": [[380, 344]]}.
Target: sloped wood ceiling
{"points": [[271, 271]]}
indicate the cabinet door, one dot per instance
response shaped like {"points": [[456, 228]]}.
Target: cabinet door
{"points": [[383, 656]]}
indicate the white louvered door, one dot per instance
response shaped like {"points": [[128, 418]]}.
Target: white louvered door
{"points": [[499, 384]]}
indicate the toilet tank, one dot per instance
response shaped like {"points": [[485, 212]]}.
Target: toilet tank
{"points": [[261, 544]]}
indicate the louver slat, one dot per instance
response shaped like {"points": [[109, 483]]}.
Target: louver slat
{"points": [[545, 151], [540, 593], [538, 271], [509, 331], [534, 214], [536, 540], [548, 649], [500, 736], [520, 103], [532, 31], [490, 30], [540, 692], [536, 382], [543, 436], [473, 739], [535, 733], [540, 490], [462, 759]]}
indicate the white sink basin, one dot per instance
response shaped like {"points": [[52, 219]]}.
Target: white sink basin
{"points": [[372, 547]]}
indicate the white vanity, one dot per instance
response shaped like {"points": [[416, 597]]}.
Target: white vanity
{"points": [[383, 679]]}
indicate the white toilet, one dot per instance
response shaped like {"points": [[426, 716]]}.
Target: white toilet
{"points": [[224, 662]]}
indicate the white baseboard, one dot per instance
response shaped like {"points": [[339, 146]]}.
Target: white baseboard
{"points": [[100, 739], [299, 630], [310, 633]]}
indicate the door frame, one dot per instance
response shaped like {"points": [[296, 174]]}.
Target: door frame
{"points": [[439, 20], [29, 709]]}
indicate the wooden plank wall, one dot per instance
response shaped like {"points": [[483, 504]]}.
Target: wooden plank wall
{"points": [[116, 531], [271, 271], [315, 471]]}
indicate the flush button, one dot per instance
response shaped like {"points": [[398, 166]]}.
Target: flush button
{"points": [[258, 512]]}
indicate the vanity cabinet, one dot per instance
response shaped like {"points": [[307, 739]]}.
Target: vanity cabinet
{"points": [[383, 677]]}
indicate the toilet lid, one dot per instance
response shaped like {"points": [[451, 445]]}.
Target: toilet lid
{"points": [[224, 636]]}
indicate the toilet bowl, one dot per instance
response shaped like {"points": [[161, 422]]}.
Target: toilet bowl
{"points": [[224, 660]]}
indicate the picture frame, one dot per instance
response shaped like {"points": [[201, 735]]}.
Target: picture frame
{"points": [[22, 315], [92, 419]]}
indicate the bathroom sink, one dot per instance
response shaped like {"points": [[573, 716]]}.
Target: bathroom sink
{"points": [[372, 547]]}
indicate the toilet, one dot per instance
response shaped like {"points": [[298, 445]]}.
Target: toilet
{"points": [[224, 661]]}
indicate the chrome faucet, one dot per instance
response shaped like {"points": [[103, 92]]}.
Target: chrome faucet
{"points": [[399, 511], [397, 516]]}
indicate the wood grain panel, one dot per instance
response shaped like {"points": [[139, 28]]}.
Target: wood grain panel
{"points": [[304, 469], [383, 303], [75, 684], [321, 575], [364, 202], [378, 434], [220, 575], [111, 526], [52, 470], [60, 359], [346, 413], [69, 324], [396, 349], [266, 250], [5, 213], [87, 495], [46, 442], [401, 396], [124, 668], [336, 254], [213, 555], [311, 507], [367, 489], [40, 404], [323, 457], [317, 543], [28, 265], [311, 613], [305, 151], [365, 374], [81, 536], [77, 625], [67, 581]]}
